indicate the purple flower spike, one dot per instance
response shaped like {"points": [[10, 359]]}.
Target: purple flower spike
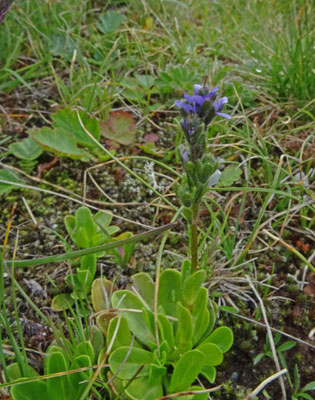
{"points": [[186, 107], [204, 105]]}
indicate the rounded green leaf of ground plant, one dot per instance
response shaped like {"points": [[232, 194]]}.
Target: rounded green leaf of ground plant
{"points": [[103, 219], [212, 353], [145, 286], [110, 21], [102, 290], [230, 175], [75, 380], [14, 371], [192, 285], [85, 228], [85, 348], [128, 366], [123, 336], [68, 120], [186, 371], [136, 321], [69, 223], [97, 340], [60, 142], [166, 329], [120, 127], [58, 388], [30, 391], [200, 314], [169, 291], [209, 372], [143, 389], [9, 176], [222, 337], [27, 149], [62, 302], [185, 325]]}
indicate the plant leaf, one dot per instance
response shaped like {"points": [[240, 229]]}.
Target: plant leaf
{"points": [[119, 127], [136, 358], [102, 290], [169, 291], [185, 326], [192, 285], [229, 175], [27, 149], [136, 321], [145, 286], [213, 355], [58, 388], [62, 302], [60, 142], [286, 346], [222, 337], [200, 315], [30, 391], [145, 81], [68, 121], [9, 176], [209, 372], [144, 389], [186, 371], [309, 386], [123, 336], [110, 21]]}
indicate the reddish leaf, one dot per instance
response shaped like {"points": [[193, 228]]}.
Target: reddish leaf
{"points": [[151, 137], [111, 145], [120, 127]]}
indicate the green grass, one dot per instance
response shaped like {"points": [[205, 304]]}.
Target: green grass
{"points": [[56, 54]]}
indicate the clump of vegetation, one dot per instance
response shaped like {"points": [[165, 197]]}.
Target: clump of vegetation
{"points": [[104, 120]]}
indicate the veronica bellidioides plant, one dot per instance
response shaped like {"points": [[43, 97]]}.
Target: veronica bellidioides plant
{"points": [[200, 170], [157, 352]]}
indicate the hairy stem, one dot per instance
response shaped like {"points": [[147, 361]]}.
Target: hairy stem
{"points": [[194, 238]]}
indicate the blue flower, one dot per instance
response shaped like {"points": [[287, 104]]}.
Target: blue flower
{"points": [[194, 104], [186, 107], [218, 105]]}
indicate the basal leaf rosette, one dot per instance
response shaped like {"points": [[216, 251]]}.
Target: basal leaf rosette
{"points": [[187, 345]]}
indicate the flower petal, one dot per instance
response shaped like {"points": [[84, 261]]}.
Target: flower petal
{"points": [[197, 89], [211, 94], [214, 178], [186, 107], [223, 115], [194, 99]]}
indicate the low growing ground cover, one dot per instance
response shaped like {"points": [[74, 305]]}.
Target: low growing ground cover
{"points": [[201, 199]]}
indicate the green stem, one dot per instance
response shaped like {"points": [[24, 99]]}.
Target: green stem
{"points": [[91, 250], [194, 238]]}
